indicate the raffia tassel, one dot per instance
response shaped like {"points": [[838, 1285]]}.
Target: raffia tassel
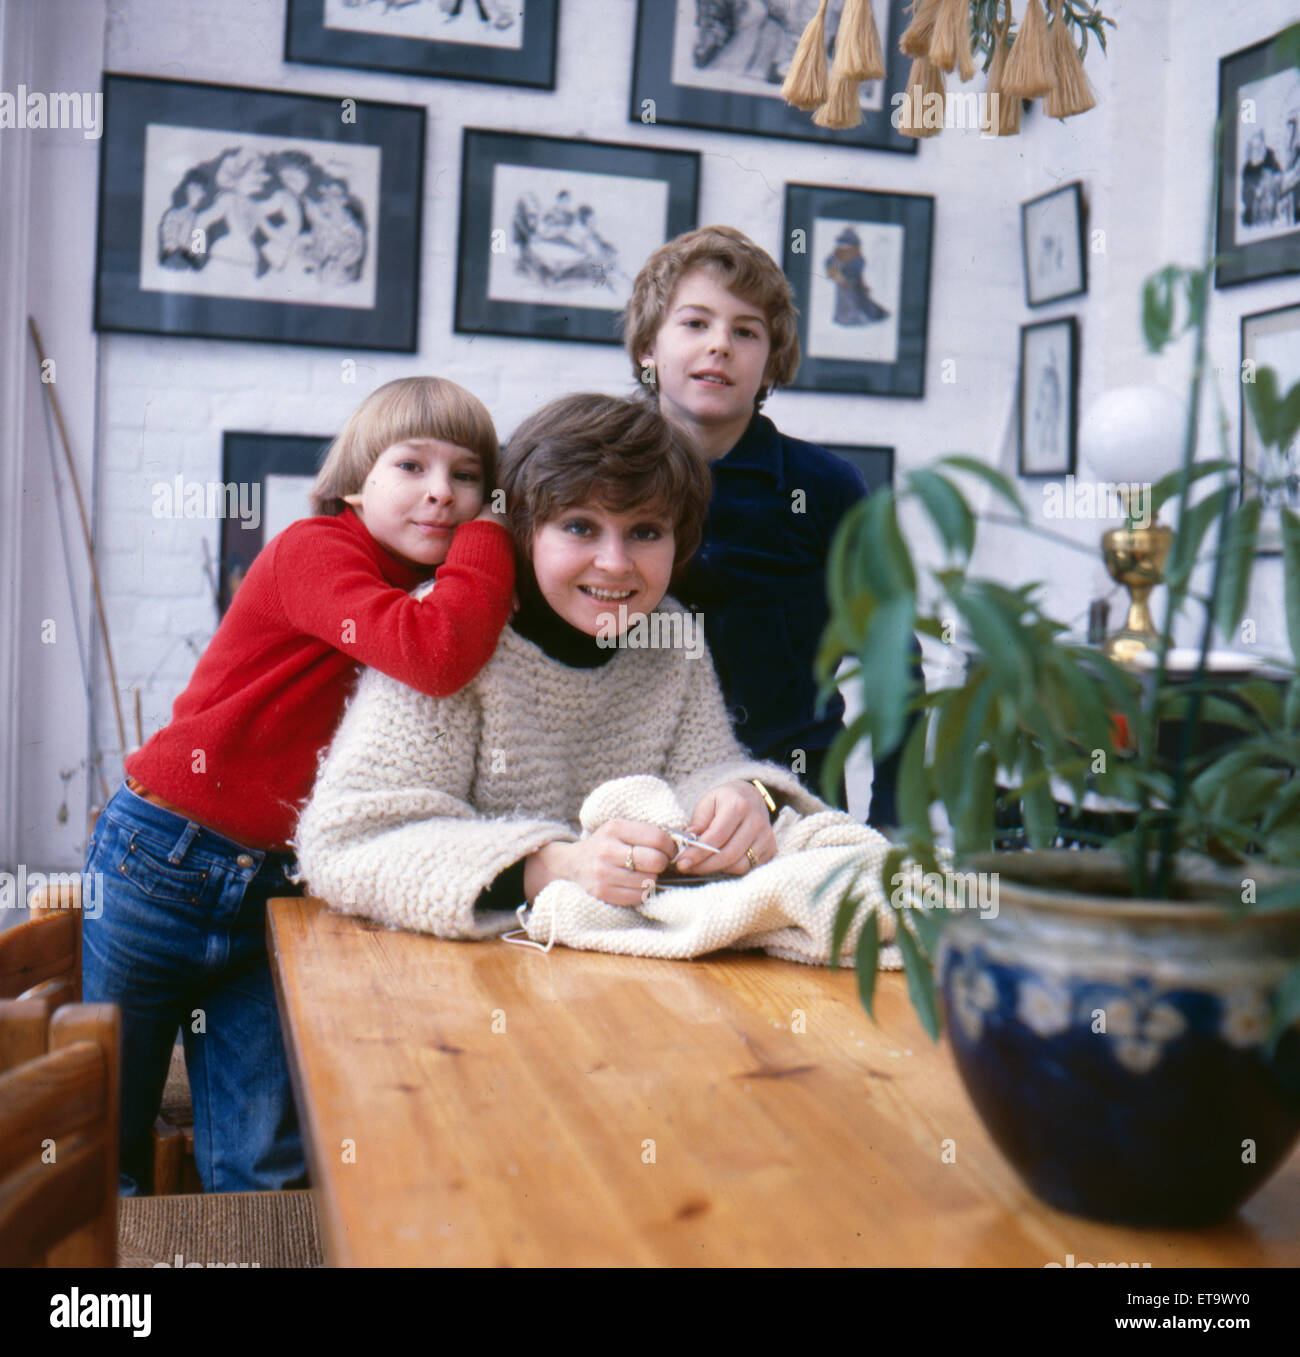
{"points": [[805, 84], [1071, 93], [842, 109], [915, 39], [858, 54], [923, 80], [1028, 72], [950, 45], [1008, 105]]}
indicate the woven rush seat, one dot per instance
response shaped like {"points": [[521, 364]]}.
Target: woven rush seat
{"points": [[228, 1230]]}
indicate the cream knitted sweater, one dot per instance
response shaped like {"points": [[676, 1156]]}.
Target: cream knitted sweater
{"points": [[421, 802]]}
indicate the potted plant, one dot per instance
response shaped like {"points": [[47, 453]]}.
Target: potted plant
{"points": [[1124, 1020]]}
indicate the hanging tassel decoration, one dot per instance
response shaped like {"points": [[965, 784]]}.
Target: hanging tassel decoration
{"points": [[843, 108], [1028, 72], [1008, 105], [950, 45], [924, 80], [1071, 93], [805, 85], [858, 52], [915, 39]]}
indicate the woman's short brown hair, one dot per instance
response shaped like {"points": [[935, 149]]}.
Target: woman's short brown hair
{"points": [[410, 407], [618, 453], [751, 273]]}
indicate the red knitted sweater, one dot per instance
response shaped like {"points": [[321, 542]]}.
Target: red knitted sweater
{"points": [[320, 600]]}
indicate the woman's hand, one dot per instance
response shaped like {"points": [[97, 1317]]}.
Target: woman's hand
{"points": [[732, 818], [599, 863]]}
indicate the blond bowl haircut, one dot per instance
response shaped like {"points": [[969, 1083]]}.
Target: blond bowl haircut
{"points": [[410, 407], [742, 268], [618, 453]]}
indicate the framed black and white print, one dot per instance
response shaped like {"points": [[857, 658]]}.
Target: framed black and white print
{"points": [[1271, 339], [1049, 397], [875, 463], [235, 213], [274, 474], [1052, 241], [507, 42], [859, 264], [1259, 186], [719, 64], [553, 232]]}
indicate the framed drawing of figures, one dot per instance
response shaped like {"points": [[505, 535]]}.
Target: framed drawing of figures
{"points": [[274, 473], [245, 214], [1259, 186], [553, 232], [507, 42], [719, 64], [1049, 397], [1052, 242], [1271, 339], [875, 463], [859, 263]]}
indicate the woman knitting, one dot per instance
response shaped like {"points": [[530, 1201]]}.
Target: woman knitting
{"points": [[578, 766]]}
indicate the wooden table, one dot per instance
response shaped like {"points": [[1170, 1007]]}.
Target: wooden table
{"points": [[477, 1103]]}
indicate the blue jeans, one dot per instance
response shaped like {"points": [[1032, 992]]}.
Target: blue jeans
{"points": [[181, 943]]}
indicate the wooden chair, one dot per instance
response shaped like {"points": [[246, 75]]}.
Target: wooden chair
{"points": [[44, 953], [59, 1165]]}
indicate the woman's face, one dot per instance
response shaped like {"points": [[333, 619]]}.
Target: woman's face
{"points": [[593, 564]]}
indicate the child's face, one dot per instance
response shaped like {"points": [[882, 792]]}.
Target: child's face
{"points": [[710, 354], [416, 494], [590, 563]]}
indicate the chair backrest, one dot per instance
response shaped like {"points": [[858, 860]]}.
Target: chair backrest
{"points": [[58, 1140], [45, 947]]}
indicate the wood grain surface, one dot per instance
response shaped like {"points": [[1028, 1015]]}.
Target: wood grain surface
{"points": [[473, 1104]]}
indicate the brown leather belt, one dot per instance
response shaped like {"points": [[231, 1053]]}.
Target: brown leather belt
{"points": [[146, 795]]}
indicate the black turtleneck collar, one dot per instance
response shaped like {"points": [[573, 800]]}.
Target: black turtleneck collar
{"points": [[538, 622]]}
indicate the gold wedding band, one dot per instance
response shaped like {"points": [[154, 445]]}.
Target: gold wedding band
{"points": [[629, 865], [753, 861]]}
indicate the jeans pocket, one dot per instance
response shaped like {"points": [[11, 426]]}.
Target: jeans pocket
{"points": [[143, 865]]}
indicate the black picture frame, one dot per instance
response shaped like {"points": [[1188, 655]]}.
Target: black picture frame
{"points": [[225, 147], [1258, 217], [532, 64], [510, 246], [1279, 320], [875, 461], [659, 45], [250, 459], [1048, 435], [827, 346], [1053, 245]]}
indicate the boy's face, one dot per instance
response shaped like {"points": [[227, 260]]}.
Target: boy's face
{"points": [[416, 494], [710, 354], [592, 563]]}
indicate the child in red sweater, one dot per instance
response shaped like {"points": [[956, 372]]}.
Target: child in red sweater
{"points": [[194, 843]]}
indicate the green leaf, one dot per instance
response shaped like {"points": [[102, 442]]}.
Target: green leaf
{"points": [[913, 802], [1169, 486], [1263, 404], [867, 959], [1196, 522], [1158, 307], [845, 741], [1264, 697], [1036, 797], [1288, 418], [1291, 574], [1235, 564], [991, 477], [845, 909], [886, 658], [929, 925], [1286, 1009], [948, 510], [920, 982], [1000, 639]]}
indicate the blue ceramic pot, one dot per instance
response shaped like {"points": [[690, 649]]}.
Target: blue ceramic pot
{"points": [[1116, 1049]]}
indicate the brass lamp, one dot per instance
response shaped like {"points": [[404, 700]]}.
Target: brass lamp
{"points": [[1136, 559]]}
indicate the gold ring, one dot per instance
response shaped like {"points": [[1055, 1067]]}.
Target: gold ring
{"points": [[753, 861], [629, 865]]}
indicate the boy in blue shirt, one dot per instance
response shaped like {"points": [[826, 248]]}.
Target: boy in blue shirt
{"points": [[711, 330]]}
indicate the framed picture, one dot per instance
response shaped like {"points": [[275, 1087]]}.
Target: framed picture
{"points": [[235, 213], [553, 232], [875, 463], [1052, 241], [720, 65], [1049, 396], [1259, 188], [859, 263], [1271, 339], [507, 42], [274, 473]]}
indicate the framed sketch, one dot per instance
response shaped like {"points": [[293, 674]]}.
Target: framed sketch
{"points": [[1271, 339], [235, 213], [1259, 188], [274, 473], [859, 264], [553, 232], [1052, 241], [875, 463], [719, 64], [1049, 397], [507, 42]]}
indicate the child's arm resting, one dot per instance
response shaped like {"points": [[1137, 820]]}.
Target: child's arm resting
{"points": [[330, 588], [389, 832]]}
